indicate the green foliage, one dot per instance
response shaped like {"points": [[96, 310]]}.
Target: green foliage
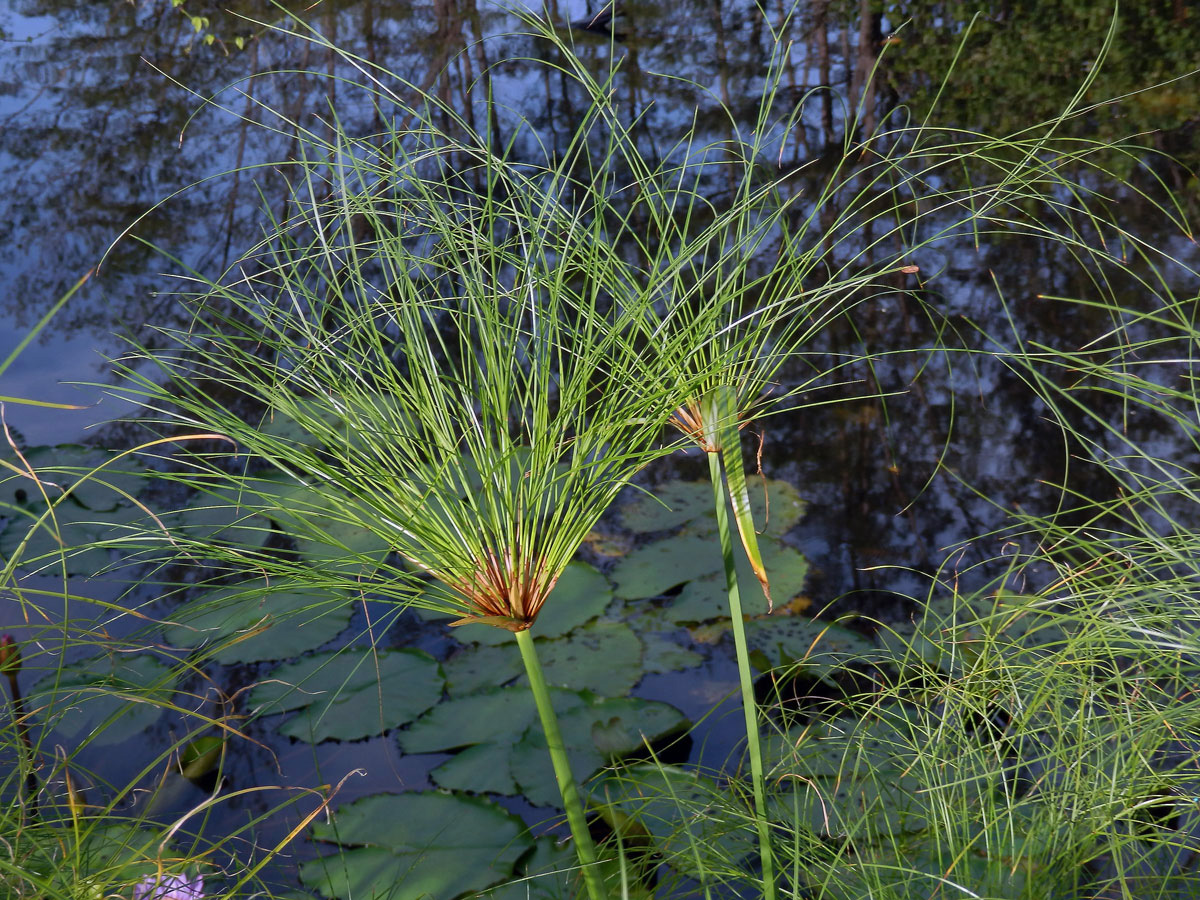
{"points": [[350, 694], [412, 846]]}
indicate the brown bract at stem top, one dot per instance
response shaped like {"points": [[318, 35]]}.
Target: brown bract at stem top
{"points": [[689, 419], [506, 590]]}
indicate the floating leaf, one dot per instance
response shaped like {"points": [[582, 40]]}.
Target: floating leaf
{"points": [[604, 657], [226, 516], [669, 506], [784, 640], [507, 747], [679, 810], [65, 469], [255, 621], [595, 734], [706, 598], [838, 807], [661, 654], [352, 693], [479, 668], [416, 846], [496, 715], [104, 699], [70, 536], [656, 568], [482, 769], [775, 510], [329, 531], [549, 873]]}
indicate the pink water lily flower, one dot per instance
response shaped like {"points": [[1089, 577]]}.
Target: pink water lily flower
{"points": [[169, 887]]}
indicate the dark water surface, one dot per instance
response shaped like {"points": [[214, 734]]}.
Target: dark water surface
{"points": [[97, 129]]}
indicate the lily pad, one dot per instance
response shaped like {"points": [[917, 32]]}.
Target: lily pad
{"points": [[482, 769], [507, 747], [595, 735], [223, 516], [668, 506], [660, 654], [67, 468], [72, 537], [652, 570], [581, 594], [330, 532], [706, 598], [551, 872], [785, 640], [604, 657], [775, 511], [352, 693], [869, 807], [415, 846], [680, 811], [497, 715], [104, 699], [255, 621]]}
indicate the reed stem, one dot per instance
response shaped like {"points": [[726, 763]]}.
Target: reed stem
{"points": [[745, 677], [572, 802]]}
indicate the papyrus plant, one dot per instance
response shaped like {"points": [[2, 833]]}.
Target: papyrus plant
{"points": [[427, 355]]}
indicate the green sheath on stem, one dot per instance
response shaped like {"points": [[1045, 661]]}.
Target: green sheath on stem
{"points": [[749, 705], [584, 848]]}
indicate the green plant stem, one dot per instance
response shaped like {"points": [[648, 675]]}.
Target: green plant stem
{"points": [[584, 848], [749, 704]]}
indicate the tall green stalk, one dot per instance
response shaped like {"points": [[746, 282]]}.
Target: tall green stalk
{"points": [[584, 848], [745, 678]]}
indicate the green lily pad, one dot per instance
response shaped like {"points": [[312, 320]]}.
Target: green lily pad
{"points": [[775, 511], [867, 807], [480, 668], [604, 657], [222, 516], [69, 540], [350, 694], [656, 568], [661, 654], [104, 699], [330, 532], [681, 811], [838, 748], [416, 846], [549, 873], [65, 468], [668, 506], [482, 769], [595, 735], [74, 537], [496, 715], [255, 621], [580, 595], [706, 598], [784, 640], [507, 747]]}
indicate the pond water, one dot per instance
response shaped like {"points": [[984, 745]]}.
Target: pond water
{"points": [[97, 103]]}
